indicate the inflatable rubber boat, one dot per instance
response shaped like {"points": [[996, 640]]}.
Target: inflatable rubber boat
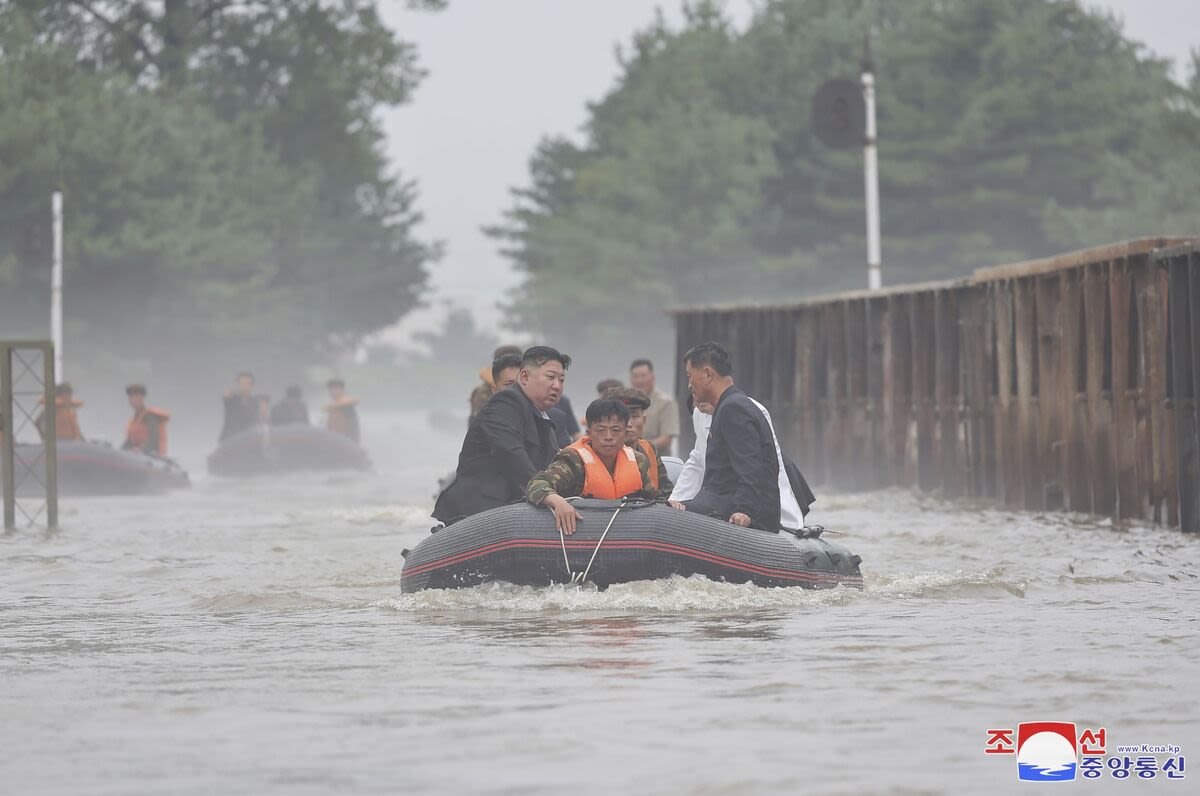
{"points": [[618, 542], [97, 468], [280, 449]]}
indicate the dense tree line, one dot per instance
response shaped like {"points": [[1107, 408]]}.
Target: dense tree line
{"points": [[1007, 131], [226, 189]]}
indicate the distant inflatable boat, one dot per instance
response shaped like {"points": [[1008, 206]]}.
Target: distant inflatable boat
{"points": [[519, 544], [97, 468], [280, 449]]}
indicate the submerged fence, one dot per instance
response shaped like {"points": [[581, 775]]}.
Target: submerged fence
{"points": [[1064, 383]]}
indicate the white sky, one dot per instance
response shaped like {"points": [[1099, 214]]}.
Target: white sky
{"points": [[505, 73]]}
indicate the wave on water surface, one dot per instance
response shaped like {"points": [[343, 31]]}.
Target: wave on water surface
{"points": [[690, 594]]}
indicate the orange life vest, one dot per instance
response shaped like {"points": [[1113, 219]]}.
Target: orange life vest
{"points": [[652, 457], [137, 434], [338, 420], [598, 482], [66, 423]]}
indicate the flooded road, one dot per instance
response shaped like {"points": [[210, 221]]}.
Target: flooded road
{"points": [[252, 638]]}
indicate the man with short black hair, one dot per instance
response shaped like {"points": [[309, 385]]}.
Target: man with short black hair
{"points": [[662, 418], [741, 476], [241, 407], [147, 430], [487, 386], [291, 410], [509, 441], [505, 370], [600, 465]]}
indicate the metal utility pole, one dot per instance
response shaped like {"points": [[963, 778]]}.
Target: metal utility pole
{"points": [[56, 285], [871, 172]]}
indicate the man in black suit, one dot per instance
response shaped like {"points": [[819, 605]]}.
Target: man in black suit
{"points": [[741, 474], [509, 441]]}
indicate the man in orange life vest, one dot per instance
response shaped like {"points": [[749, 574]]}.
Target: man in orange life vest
{"points": [[147, 431], [66, 423], [599, 465], [343, 417], [638, 402]]}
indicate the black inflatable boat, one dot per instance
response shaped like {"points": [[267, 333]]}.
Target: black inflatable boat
{"points": [[519, 544], [281, 449], [97, 468]]}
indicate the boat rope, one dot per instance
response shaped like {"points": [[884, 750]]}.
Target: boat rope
{"points": [[588, 569], [563, 540]]}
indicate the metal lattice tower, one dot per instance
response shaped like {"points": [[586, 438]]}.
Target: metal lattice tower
{"points": [[29, 467]]}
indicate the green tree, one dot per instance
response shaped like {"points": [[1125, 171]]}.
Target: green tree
{"points": [[225, 177], [1007, 130]]}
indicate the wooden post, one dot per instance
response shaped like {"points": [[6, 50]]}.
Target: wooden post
{"points": [[923, 344], [1027, 453], [1050, 419], [898, 389], [946, 391], [1124, 388], [1009, 488], [1098, 441], [1184, 356]]}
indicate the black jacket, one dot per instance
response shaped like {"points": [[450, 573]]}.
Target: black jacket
{"points": [[741, 471], [289, 410], [241, 413], [507, 443]]}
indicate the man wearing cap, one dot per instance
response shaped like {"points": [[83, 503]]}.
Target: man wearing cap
{"points": [[638, 402]]}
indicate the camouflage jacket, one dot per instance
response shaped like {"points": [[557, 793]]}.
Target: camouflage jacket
{"points": [[565, 476], [664, 481]]}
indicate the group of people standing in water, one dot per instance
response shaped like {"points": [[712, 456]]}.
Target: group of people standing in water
{"points": [[146, 431], [515, 449]]}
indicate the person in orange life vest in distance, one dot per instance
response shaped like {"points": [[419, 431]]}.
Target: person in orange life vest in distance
{"points": [[509, 441], [66, 422], [343, 417], [598, 465], [741, 475], [147, 430]]}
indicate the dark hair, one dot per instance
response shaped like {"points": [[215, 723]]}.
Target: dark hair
{"points": [[629, 396], [506, 349], [135, 389], [538, 355], [604, 385], [335, 383], [503, 363], [293, 391], [63, 388], [637, 363], [245, 374], [602, 408], [710, 354]]}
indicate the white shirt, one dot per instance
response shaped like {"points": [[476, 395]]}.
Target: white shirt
{"points": [[687, 486]]}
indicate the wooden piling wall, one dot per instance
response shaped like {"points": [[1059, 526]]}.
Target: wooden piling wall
{"points": [[1065, 383]]}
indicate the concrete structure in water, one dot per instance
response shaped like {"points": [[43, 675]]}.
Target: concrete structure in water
{"points": [[1064, 383]]}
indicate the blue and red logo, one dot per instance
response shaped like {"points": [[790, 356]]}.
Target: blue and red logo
{"points": [[1047, 751]]}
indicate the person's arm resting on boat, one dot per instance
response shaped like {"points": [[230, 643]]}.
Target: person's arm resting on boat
{"points": [[563, 478], [742, 439]]}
